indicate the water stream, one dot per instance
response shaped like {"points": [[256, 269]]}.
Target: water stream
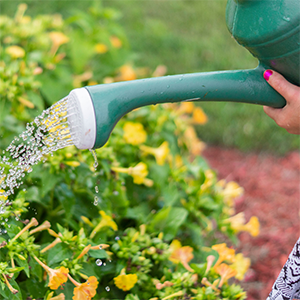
{"points": [[47, 133]]}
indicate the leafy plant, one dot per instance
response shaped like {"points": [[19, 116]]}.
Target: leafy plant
{"points": [[143, 221]]}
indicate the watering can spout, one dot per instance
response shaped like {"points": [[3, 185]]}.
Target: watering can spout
{"points": [[268, 29], [107, 103]]}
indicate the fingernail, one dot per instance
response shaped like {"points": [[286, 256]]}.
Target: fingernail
{"points": [[267, 74]]}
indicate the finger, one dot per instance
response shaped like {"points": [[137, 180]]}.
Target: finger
{"points": [[273, 113], [281, 85]]}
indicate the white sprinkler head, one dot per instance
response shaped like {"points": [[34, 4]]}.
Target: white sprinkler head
{"points": [[81, 118]]}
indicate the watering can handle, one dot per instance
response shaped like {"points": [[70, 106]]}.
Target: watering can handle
{"points": [[113, 101]]}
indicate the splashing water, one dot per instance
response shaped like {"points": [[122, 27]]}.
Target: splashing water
{"points": [[47, 133]]}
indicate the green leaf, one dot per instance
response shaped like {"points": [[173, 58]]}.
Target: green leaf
{"points": [[170, 194], [49, 180], [66, 198], [15, 269], [168, 220], [132, 297], [33, 194], [207, 202], [36, 99], [24, 264], [36, 293], [7, 294], [50, 90], [80, 51], [58, 253], [98, 254], [36, 269], [13, 230]]}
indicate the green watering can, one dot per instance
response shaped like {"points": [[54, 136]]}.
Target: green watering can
{"points": [[269, 29]]}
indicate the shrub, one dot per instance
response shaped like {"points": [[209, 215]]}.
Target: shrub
{"points": [[146, 219]]}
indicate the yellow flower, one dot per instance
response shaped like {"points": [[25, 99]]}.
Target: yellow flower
{"points": [[199, 117], [226, 272], [252, 226], [101, 48], [73, 163], [84, 251], [161, 153], [33, 222], [241, 265], [138, 173], [194, 145], [15, 52], [125, 282], [44, 226], [210, 260], [174, 295], [106, 221], [186, 107], [231, 191], [237, 223], [211, 285], [209, 179], [116, 42], [56, 276], [13, 290], [3, 197], [87, 221], [26, 102], [181, 254], [134, 133], [61, 296], [54, 243], [86, 290], [126, 73], [225, 253], [58, 38]]}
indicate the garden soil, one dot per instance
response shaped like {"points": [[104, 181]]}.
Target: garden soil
{"points": [[272, 193]]}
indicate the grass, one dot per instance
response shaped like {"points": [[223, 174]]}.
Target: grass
{"points": [[189, 36]]}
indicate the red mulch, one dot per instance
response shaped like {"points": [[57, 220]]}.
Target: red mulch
{"points": [[272, 193]]}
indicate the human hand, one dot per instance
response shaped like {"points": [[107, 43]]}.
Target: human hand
{"points": [[287, 117]]}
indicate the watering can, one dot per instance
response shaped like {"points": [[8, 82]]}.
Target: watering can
{"points": [[269, 29]]}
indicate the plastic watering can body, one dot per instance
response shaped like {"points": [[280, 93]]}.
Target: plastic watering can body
{"points": [[269, 29]]}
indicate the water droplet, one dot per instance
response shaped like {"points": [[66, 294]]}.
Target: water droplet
{"points": [[96, 199], [100, 247], [168, 86], [96, 189], [107, 288], [99, 262], [46, 134], [95, 158], [116, 193], [117, 238]]}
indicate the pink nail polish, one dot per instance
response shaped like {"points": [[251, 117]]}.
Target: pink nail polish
{"points": [[267, 74]]}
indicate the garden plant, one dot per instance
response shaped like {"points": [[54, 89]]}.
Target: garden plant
{"points": [[145, 217]]}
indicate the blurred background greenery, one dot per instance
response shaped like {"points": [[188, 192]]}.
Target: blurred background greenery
{"points": [[187, 36]]}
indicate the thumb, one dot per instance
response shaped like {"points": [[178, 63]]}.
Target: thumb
{"points": [[281, 85]]}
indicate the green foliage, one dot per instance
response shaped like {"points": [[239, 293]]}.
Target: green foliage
{"points": [[142, 223]]}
